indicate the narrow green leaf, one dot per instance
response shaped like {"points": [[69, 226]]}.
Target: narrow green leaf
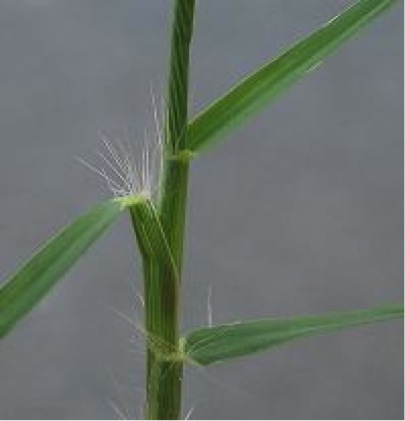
{"points": [[34, 280], [224, 342], [262, 86]]}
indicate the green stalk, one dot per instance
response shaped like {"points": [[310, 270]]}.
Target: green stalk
{"points": [[157, 258], [164, 367]]}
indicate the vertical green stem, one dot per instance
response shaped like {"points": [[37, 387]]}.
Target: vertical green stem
{"points": [[164, 371], [182, 30]]}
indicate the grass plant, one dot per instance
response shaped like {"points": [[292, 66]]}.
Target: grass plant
{"points": [[153, 189]]}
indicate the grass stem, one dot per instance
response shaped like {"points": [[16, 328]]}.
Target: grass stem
{"points": [[162, 306]]}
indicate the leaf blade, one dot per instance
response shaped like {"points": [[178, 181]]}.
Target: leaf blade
{"points": [[39, 274], [264, 85], [212, 345]]}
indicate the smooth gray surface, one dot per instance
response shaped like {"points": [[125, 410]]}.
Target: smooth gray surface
{"points": [[298, 212]]}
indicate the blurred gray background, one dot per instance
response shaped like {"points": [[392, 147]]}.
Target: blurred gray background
{"points": [[298, 212]]}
